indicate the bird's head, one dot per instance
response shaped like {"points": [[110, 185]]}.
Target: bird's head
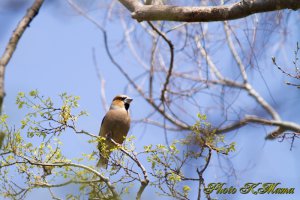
{"points": [[121, 101]]}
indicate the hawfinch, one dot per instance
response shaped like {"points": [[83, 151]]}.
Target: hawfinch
{"points": [[115, 125]]}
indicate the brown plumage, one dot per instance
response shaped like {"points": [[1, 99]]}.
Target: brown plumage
{"points": [[115, 125]]}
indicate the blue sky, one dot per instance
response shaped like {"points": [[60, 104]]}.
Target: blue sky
{"points": [[55, 56]]}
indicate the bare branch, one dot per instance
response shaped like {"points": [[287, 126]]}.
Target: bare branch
{"points": [[141, 190], [151, 72], [102, 82], [259, 99], [47, 185], [214, 69], [13, 42], [131, 5], [133, 157], [128, 31], [63, 164], [171, 65], [200, 174], [173, 120], [282, 125], [237, 10], [156, 123], [234, 52], [230, 83]]}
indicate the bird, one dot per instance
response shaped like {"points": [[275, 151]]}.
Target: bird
{"points": [[115, 125]]}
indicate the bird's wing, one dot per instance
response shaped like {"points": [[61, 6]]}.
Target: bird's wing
{"points": [[102, 128], [103, 120]]}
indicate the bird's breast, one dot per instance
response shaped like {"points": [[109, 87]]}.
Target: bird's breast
{"points": [[116, 123]]}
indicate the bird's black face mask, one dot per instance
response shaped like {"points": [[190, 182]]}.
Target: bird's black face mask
{"points": [[127, 106]]}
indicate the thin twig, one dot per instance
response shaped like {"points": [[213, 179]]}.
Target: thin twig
{"points": [[234, 52], [245, 86], [200, 172], [257, 120], [144, 182], [171, 119], [102, 82], [65, 164], [171, 64]]}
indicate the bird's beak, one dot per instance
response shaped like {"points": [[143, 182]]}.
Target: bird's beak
{"points": [[128, 100]]}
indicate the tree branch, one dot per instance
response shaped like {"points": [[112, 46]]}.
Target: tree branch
{"points": [[133, 157], [282, 126], [175, 121], [64, 164], [237, 10], [13, 41], [171, 65], [234, 52]]}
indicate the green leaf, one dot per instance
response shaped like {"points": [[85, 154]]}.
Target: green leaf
{"points": [[21, 94], [186, 188], [33, 93], [3, 118]]}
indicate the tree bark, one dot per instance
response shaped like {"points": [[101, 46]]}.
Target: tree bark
{"points": [[12, 44], [241, 9]]}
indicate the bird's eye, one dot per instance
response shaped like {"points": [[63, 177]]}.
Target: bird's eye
{"points": [[123, 98]]}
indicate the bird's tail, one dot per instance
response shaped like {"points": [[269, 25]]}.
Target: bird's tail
{"points": [[102, 163], [104, 151]]}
